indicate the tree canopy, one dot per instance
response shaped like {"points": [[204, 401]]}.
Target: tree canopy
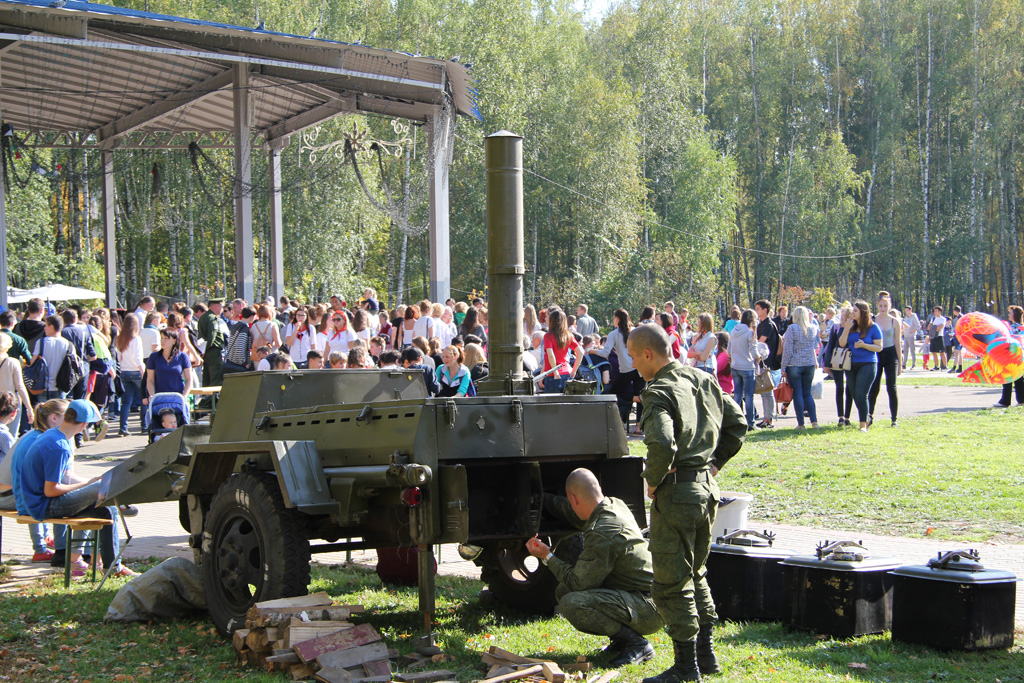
{"points": [[706, 152]]}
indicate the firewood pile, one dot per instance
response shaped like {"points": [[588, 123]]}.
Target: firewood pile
{"points": [[310, 638]]}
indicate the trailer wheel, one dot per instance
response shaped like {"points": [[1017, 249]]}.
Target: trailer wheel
{"points": [[253, 549], [519, 580]]}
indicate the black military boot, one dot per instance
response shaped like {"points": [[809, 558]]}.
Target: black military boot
{"points": [[685, 668], [629, 646], [707, 662]]}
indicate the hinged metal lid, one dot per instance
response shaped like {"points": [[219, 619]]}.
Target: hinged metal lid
{"points": [[748, 542], [957, 566], [849, 556]]}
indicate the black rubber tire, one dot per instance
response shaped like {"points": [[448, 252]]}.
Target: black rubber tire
{"points": [[517, 582], [254, 549]]}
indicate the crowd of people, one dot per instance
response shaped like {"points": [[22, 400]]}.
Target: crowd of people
{"points": [[74, 366]]}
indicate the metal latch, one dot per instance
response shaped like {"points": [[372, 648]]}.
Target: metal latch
{"points": [[740, 533], [960, 560], [450, 412], [364, 414], [843, 551], [517, 411]]}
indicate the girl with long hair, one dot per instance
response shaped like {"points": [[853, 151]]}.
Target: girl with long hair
{"points": [[742, 351], [299, 335], [130, 365], [627, 385], [799, 360], [704, 344], [557, 343], [864, 339], [889, 359], [844, 390]]}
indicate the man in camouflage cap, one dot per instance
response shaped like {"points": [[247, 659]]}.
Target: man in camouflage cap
{"points": [[691, 429], [607, 591], [214, 331]]}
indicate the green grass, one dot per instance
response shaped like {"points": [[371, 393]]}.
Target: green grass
{"points": [[956, 474], [50, 635], [932, 379]]}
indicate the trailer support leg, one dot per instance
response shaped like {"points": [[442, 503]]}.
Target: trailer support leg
{"points": [[425, 558]]}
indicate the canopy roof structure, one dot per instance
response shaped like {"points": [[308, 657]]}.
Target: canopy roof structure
{"points": [[78, 74]]}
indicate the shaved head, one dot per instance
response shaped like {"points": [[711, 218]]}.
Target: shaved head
{"points": [[583, 484]]}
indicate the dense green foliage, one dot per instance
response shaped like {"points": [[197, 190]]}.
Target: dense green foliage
{"points": [[705, 152]]}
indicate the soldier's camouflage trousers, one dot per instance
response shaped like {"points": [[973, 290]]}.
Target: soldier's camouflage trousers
{"points": [[681, 519], [603, 611]]}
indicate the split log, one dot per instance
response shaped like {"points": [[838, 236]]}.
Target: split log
{"points": [[313, 600], [552, 674], [238, 639], [301, 671], [281, 616]]}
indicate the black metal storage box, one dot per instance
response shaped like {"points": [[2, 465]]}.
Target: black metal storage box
{"points": [[840, 591], [954, 603], [745, 577]]}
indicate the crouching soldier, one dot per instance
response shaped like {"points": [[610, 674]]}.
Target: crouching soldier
{"points": [[607, 591]]}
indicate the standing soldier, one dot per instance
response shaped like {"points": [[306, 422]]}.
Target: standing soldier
{"points": [[607, 591], [214, 331], [691, 429]]}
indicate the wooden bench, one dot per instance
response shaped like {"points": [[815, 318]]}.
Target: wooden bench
{"points": [[73, 524], [213, 393]]}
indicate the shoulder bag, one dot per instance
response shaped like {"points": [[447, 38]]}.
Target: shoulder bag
{"points": [[841, 358], [763, 383]]}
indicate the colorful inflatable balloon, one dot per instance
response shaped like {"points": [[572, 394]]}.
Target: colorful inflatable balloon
{"points": [[1001, 352]]}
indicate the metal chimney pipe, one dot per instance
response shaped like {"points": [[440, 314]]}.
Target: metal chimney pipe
{"points": [[503, 154]]}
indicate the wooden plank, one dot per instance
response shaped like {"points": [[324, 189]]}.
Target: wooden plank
{"points": [[426, 676], [353, 656], [552, 674], [512, 657], [498, 670], [607, 677], [364, 634], [293, 635], [516, 675], [378, 668], [333, 675], [284, 658], [313, 600]]}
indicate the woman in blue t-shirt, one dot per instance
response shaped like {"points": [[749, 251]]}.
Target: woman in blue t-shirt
{"points": [[169, 369], [864, 338]]}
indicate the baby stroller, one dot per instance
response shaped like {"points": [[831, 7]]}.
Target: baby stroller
{"points": [[166, 401]]}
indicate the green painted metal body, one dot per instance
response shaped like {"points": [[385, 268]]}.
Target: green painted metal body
{"points": [[344, 445]]}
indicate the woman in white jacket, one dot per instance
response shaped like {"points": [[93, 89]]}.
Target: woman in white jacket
{"points": [[743, 352]]}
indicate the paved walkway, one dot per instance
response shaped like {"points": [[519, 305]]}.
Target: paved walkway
{"points": [[156, 532]]}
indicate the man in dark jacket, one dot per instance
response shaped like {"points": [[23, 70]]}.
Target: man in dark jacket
{"points": [[412, 359]]}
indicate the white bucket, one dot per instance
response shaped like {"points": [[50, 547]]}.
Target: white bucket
{"points": [[732, 513]]}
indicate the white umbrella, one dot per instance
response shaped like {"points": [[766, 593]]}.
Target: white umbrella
{"points": [[64, 293], [17, 296]]}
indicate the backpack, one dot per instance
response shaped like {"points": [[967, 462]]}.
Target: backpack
{"points": [[70, 373], [591, 371], [35, 376]]}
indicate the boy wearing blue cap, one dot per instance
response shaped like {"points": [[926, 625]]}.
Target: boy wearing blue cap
{"points": [[47, 465]]}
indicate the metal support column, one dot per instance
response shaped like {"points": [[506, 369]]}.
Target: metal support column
{"points": [[440, 252], [245, 286], [276, 222], [109, 235], [3, 232]]}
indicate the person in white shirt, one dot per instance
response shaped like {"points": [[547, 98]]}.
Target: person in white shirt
{"points": [[537, 350], [425, 325], [936, 324], [150, 335], [530, 362], [911, 326], [446, 330]]}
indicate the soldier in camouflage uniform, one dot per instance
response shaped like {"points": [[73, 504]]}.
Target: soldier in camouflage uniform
{"points": [[214, 331], [608, 589], [691, 429]]}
